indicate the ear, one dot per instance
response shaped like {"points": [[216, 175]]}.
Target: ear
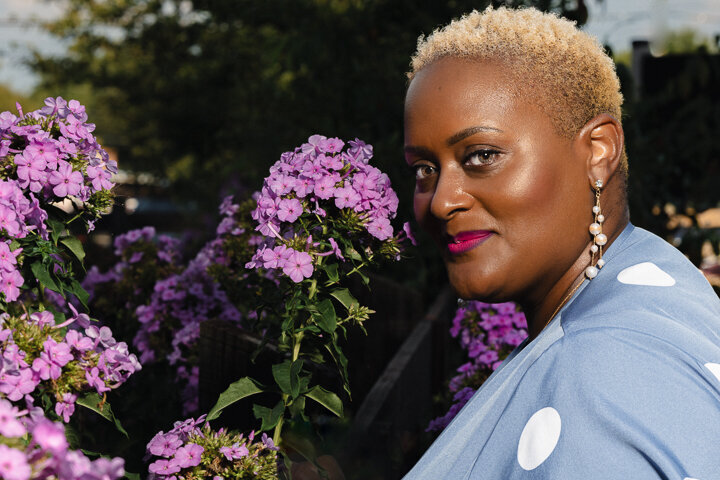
{"points": [[603, 140]]}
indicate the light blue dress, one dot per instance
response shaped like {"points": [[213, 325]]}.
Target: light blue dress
{"points": [[624, 383]]}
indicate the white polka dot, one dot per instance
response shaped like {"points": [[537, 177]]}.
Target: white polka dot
{"points": [[688, 478], [714, 369], [646, 273], [539, 438]]}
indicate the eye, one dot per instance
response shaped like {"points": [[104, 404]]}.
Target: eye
{"points": [[423, 170], [480, 158]]}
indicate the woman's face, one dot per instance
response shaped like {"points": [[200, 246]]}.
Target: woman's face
{"points": [[506, 198]]}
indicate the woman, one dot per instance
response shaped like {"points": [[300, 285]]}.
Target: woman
{"points": [[512, 127]]}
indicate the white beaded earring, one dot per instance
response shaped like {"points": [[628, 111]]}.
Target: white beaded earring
{"points": [[599, 239]]}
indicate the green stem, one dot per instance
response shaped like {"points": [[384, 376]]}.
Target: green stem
{"points": [[295, 355]]}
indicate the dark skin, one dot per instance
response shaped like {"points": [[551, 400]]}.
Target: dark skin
{"points": [[488, 161]]}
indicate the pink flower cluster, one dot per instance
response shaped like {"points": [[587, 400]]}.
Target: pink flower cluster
{"points": [[63, 365], [46, 156], [175, 307], [33, 447], [320, 180], [190, 448], [489, 332]]}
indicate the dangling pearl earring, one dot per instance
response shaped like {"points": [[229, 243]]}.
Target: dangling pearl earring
{"points": [[599, 239]]}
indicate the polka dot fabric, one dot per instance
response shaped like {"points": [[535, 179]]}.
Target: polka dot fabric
{"points": [[623, 383]]}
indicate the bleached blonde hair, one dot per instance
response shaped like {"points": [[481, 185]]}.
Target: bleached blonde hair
{"points": [[561, 69]]}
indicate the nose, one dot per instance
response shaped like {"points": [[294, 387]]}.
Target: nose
{"points": [[450, 196]]}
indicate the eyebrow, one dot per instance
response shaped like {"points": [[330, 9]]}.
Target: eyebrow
{"points": [[462, 134]]}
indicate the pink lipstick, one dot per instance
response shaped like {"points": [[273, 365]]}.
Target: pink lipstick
{"points": [[465, 241]]}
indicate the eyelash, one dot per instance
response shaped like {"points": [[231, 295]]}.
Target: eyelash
{"points": [[487, 158]]}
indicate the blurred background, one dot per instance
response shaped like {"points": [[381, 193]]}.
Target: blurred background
{"points": [[196, 99]]}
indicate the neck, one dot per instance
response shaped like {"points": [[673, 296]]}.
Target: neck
{"points": [[540, 311]]}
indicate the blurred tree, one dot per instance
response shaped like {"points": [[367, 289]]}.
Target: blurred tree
{"points": [[672, 143], [198, 91]]}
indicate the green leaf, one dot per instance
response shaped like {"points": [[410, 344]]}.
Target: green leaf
{"points": [[92, 401], [344, 296], [132, 476], [286, 375], [324, 315], [75, 246], [332, 272], [76, 289], [56, 228], [43, 276], [243, 388], [269, 418], [327, 399], [297, 408]]}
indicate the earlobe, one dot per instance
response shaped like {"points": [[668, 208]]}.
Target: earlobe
{"points": [[604, 137]]}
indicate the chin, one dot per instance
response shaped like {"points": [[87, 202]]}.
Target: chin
{"points": [[476, 285]]}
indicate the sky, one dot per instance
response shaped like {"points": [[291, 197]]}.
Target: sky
{"points": [[614, 22]]}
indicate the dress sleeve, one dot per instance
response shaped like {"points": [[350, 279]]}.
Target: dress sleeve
{"points": [[629, 405]]}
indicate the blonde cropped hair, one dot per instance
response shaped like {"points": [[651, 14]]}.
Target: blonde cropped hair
{"points": [[545, 53]]}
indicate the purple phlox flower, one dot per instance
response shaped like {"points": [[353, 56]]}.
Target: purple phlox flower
{"points": [[65, 180], [408, 233], [79, 341], [102, 335], [276, 257], [18, 385], [487, 357], [235, 452], [50, 436], [304, 187], [366, 183], [290, 210], [325, 187], [336, 249], [164, 467], [13, 464], [10, 426], [75, 129], [99, 178], [82, 319], [380, 228], [8, 221], [268, 442], [7, 120], [93, 378], [77, 110], [361, 151], [54, 105], [346, 197], [67, 147], [281, 184], [164, 445], [298, 266], [8, 258], [313, 169], [10, 283], [227, 207], [106, 469], [44, 150], [66, 407], [189, 455], [315, 144], [31, 170], [4, 147]]}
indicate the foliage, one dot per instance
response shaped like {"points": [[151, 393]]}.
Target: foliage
{"points": [[325, 215], [54, 178], [209, 88], [489, 332]]}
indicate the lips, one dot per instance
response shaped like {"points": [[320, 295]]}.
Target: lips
{"points": [[465, 241]]}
